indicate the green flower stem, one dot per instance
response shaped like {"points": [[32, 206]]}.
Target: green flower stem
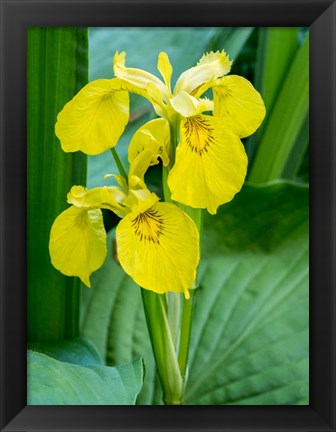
{"points": [[187, 308], [174, 315], [163, 347], [188, 305], [119, 164]]}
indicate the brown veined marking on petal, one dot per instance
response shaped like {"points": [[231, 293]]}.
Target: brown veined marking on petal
{"points": [[148, 226], [200, 127]]}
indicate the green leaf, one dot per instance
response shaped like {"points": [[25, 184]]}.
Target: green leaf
{"points": [[249, 342], [78, 351], [250, 329], [284, 121], [296, 158], [52, 382], [236, 41], [57, 69], [276, 51], [114, 319]]}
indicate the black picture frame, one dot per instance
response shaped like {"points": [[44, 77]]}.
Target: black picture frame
{"points": [[16, 17]]}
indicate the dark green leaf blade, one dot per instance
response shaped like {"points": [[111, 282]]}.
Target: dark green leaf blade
{"points": [[284, 122], [57, 69]]}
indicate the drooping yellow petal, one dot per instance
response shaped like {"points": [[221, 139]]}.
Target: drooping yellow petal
{"points": [[210, 67], [165, 68], [189, 106], [94, 119], [140, 82], [239, 104], [153, 135], [210, 165], [77, 243], [108, 197], [159, 248]]}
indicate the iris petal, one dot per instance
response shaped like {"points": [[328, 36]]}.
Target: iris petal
{"points": [[107, 197], [141, 82], [210, 67], [78, 242], [239, 104], [165, 68], [159, 248], [189, 106], [153, 135], [94, 119], [210, 165]]}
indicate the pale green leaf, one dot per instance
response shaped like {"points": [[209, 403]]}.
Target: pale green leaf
{"points": [[52, 382]]}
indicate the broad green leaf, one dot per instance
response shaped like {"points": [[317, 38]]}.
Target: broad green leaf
{"points": [[52, 382], [250, 328], [57, 69], [284, 122], [249, 341], [78, 351]]}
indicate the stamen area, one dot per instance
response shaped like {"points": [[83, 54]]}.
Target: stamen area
{"points": [[198, 134], [148, 226]]}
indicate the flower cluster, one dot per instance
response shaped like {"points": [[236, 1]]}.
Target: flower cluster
{"points": [[158, 244]]}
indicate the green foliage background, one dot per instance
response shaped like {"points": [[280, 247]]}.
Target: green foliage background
{"points": [[249, 342]]}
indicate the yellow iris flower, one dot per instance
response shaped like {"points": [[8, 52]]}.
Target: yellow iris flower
{"points": [[151, 236], [210, 163]]}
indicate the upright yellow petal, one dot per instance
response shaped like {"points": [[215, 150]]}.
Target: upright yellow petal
{"points": [[94, 119], [210, 67], [239, 104], [165, 68], [210, 165], [77, 243], [159, 248], [138, 78]]}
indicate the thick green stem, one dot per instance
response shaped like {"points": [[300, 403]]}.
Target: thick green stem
{"points": [[188, 305], [163, 347], [187, 309]]}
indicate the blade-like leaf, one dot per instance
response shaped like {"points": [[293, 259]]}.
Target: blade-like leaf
{"points": [[276, 51], [284, 122], [57, 68], [296, 158], [236, 41], [249, 340], [52, 382]]}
